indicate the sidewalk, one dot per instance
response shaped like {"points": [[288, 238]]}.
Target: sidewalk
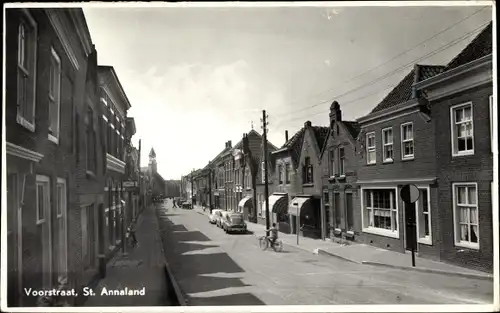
{"points": [[366, 254], [141, 267]]}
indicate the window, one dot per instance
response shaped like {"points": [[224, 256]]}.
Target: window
{"points": [[407, 141], [287, 173], [307, 171], [465, 213], [61, 233], [90, 139], [462, 129], [263, 173], [54, 96], [387, 140], [42, 203], [44, 226], [380, 213], [337, 211], [424, 217], [349, 209], [331, 163], [260, 204], [26, 70], [341, 162], [370, 149], [280, 174], [491, 123], [248, 179]]}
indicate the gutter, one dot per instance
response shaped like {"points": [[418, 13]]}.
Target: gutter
{"points": [[389, 111], [476, 64]]}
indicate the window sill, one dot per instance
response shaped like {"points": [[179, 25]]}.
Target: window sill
{"points": [[38, 222], [53, 139], [381, 232], [23, 122], [403, 159], [388, 161], [90, 175], [467, 245], [425, 241], [308, 185], [371, 164], [461, 154]]}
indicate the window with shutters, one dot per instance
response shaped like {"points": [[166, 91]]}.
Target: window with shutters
{"points": [[54, 96], [27, 35]]}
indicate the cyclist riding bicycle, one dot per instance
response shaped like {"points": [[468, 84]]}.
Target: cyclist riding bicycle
{"points": [[274, 234]]}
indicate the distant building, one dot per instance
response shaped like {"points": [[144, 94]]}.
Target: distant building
{"points": [[156, 182], [172, 188]]}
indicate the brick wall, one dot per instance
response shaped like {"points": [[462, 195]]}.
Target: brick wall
{"points": [[474, 168], [339, 137], [59, 159], [422, 166]]}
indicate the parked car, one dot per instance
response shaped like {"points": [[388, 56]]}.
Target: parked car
{"points": [[220, 217], [187, 204], [212, 218], [234, 222]]}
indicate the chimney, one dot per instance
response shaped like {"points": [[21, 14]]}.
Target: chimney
{"points": [[335, 113], [307, 124], [286, 135], [229, 144]]}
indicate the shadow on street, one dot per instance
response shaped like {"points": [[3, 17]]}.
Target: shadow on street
{"points": [[190, 262]]}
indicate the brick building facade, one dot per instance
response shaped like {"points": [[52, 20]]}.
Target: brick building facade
{"points": [[339, 175], [461, 109], [53, 142]]}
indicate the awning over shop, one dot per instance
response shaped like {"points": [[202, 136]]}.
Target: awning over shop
{"points": [[277, 203], [297, 204], [244, 201]]}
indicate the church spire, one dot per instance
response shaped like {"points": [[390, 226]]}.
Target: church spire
{"points": [[152, 154]]}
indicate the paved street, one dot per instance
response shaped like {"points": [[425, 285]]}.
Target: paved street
{"points": [[213, 268]]}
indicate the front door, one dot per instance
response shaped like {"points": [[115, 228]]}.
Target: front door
{"points": [[410, 226]]}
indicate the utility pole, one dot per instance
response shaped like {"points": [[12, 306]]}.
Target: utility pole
{"points": [[192, 188], [266, 185]]}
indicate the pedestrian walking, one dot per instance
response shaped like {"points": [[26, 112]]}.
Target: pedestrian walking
{"points": [[174, 203]]}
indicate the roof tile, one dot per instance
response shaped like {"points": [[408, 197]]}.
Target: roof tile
{"points": [[479, 47]]}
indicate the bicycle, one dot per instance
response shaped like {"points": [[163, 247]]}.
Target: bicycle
{"points": [[264, 243]]}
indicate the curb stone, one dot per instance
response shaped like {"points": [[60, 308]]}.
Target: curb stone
{"points": [[320, 251], [429, 270]]}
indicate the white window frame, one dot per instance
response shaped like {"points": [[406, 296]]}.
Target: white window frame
{"points": [[385, 145], [375, 230], [45, 182], [456, 229], [45, 222], [403, 141], [371, 148], [55, 99], [331, 162], [491, 123], [31, 43], [63, 241], [453, 133], [341, 162], [427, 240]]}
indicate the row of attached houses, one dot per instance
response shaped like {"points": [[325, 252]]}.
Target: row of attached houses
{"points": [[434, 130], [233, 180], [72, 172]]}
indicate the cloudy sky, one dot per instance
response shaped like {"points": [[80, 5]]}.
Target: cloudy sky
{"points": [[198, 77]]}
